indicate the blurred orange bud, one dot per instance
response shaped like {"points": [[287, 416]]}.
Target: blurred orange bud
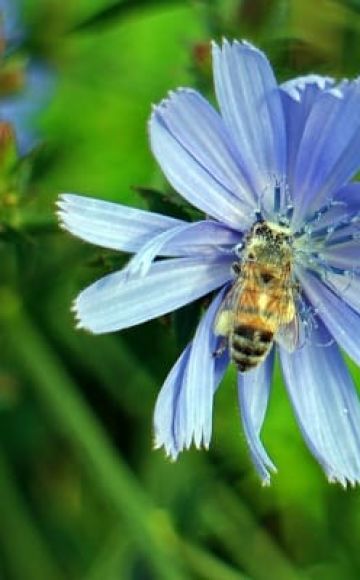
{"points": [[12, 78], [201, 53]]}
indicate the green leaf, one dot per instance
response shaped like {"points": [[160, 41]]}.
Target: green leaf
{"points": [[117, 11]]}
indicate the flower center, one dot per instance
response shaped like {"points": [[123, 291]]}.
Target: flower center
{"points": [[321, 243]]}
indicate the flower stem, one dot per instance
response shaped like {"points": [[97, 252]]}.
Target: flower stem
{"points": [[148, 526]]}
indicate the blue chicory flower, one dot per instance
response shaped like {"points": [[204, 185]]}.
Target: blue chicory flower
{"points": [[286, 152], [12, 29], [20, 108]]}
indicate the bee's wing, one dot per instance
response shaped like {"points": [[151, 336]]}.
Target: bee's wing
{"points": [[291, 335], [225, 316]]}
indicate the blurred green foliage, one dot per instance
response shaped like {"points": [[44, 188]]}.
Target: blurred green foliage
{"points": [[82, 494]]}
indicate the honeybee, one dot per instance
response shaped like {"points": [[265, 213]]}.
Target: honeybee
{"points": [[260, 306]]}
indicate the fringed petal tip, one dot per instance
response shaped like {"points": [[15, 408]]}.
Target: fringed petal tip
{"points": [[79, 325], [265, 471], [345, 482], [61, 216], [63, 207], [64, 222], [253, 395], [172, 452], [239, 44], [295, 88], [157, 109], [266, 481], [64, 200]]}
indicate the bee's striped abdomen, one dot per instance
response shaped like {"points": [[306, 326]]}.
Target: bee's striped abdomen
{"points": [[249, 345]]}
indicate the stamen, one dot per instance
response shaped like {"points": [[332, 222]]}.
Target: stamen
{"points": [[289, 212], [277, 197], [316, 216], [306, 315], [322, 267], [343, 240], [342, 223]]}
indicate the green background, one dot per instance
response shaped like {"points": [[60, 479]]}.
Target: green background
{"points": [[82, 493]]}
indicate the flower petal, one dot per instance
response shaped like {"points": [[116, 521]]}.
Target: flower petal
{"points": [[192, 167], [166, 406], [201, 131], [345, 256], [326, 405], [298, 97], [349, 196], [193, 420], [305, 89], [183, 411], [253, 393], [251, 107], [111, 225], [341, 320], [329, 151], [198, 238], [118, 300]]}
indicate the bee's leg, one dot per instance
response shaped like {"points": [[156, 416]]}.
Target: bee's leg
{"points": [[238, 249], [296, 287], [236, 268], [223, 344]]}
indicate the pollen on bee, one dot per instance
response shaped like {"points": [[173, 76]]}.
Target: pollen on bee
{"points": [[223, 322], [263, 301]]}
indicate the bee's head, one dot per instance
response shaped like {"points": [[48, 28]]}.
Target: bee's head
{"points": [[269, 242]]}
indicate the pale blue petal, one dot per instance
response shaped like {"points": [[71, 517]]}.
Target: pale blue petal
{"points": [[183, 412], [193, 420], [341, 320], [191, 177], [118, 300], [111, 225], [253, 392], [348, 289], [345, 256], [196, 125], [166, 406], [349, 195], [251, 107], [342, 247], [198, 238], [313, 84], [329, 151], [326, 405], [298, 97]]}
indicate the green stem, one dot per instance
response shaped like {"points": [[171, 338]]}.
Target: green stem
{"points": [[149, 527], [25, 551], [248, 544], [114, 559], [208, 567]]}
